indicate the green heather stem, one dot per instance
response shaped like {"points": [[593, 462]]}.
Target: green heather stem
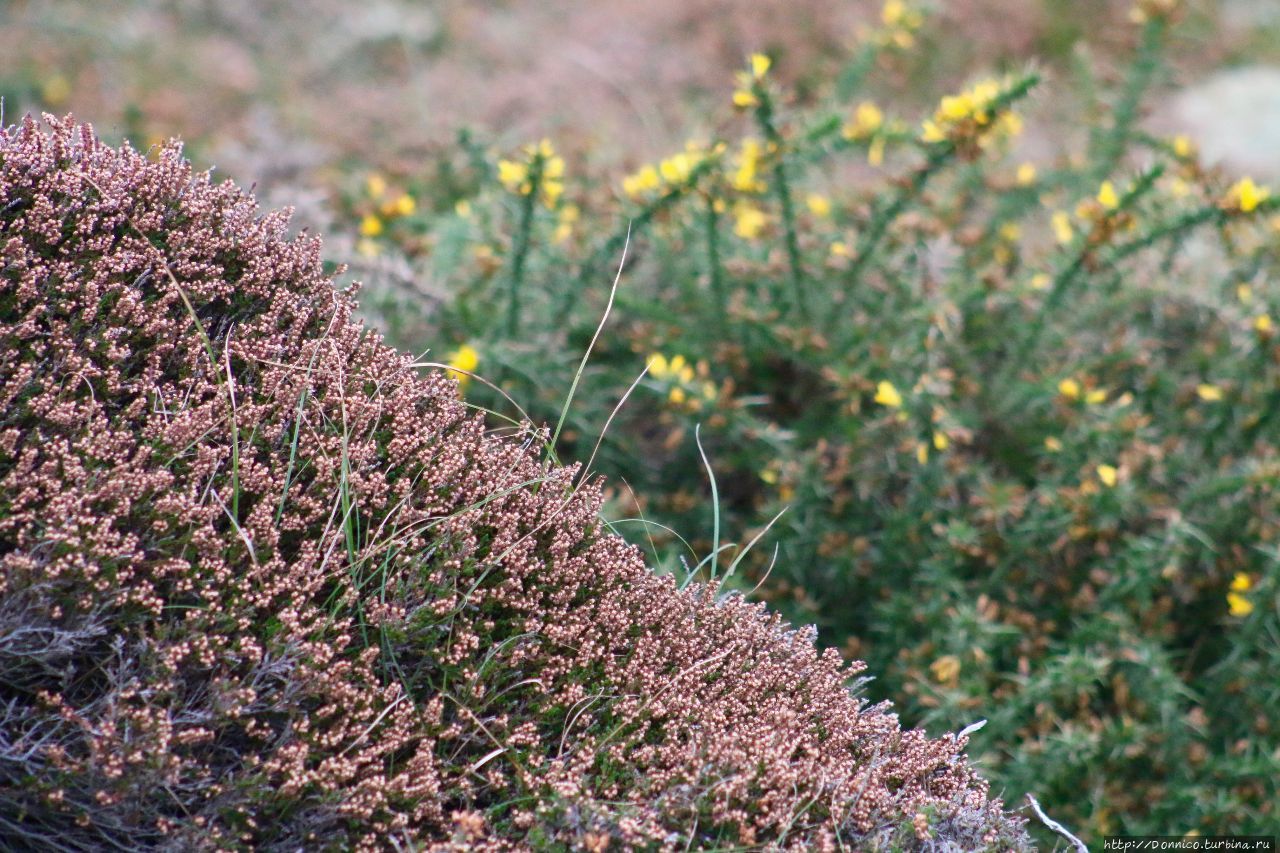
{"points": [[1174, 228], [1110, 146], [528, 203], [714, 277], [852, 75], [782, 190]]}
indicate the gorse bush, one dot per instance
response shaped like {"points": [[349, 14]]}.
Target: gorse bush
{"points": [[1020, 415], [265, 586]]}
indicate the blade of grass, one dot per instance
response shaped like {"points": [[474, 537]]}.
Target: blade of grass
{"points": [[715, 501]]}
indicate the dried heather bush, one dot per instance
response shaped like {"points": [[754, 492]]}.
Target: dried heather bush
{"points": [[264, 586]]}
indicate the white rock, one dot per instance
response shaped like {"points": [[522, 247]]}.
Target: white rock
{"points": [[1234, 116]]}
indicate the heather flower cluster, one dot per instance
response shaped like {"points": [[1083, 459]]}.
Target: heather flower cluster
{"points": [[265, 586]]}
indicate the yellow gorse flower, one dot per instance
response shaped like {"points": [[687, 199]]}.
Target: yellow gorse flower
{"points": [[401, 205], [867, 120], [744, 95], [893, 13], [970, 116], [1245, 196], [875, 151], [819, 205], [405, 205], [370, 226], [513, 175], [677, 368], [569, 216], [749, 221], [1238, 605], [887, 395], [677, 168], [1209, 393], [1062, 230], [552, 181], [674, 172], [642, 182], [746, 176], [464, 358], [681, 369], [1107, 196], [680, 375], [1108, 474], [900, 23], [1069, 388], [542, 160]]}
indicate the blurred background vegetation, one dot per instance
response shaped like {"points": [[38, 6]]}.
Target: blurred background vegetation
{"points": [[962, 313]]}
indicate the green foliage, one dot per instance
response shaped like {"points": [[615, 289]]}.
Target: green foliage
{"points": [[1020, 416]]}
